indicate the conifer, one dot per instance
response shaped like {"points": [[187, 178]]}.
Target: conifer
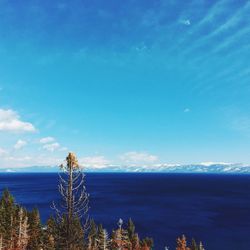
{"points": [[201, 246], [92, 236], [182, 243], [131, 229], [23, 227], [35, 230], [135, 242], [147, 243], [72, 218], [8, 220], [103, 241], [194, 245]]}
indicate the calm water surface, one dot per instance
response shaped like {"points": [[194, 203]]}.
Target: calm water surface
{"points": [[213, 208]]}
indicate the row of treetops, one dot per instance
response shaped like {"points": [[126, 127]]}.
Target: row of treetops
{"points": [[70, 227]]}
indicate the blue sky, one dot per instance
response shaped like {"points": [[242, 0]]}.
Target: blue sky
{"points": [[134, 82]]}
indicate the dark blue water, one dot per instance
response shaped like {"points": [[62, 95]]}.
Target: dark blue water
{"points": [[212, 208]]}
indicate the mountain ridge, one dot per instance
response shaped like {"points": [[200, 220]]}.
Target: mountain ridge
{"points": [[206, 168]]}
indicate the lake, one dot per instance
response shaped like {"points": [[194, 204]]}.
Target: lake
{"points": [[211, 208]]}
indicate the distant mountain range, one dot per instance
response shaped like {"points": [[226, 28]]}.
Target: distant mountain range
{"points": [[209, 168]]}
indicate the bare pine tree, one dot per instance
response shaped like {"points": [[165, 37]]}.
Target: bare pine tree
{"points": [[72, 212]]}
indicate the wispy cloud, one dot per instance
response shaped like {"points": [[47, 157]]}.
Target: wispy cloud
{"points": [[10, 122], [216, 10], [20, 144], [98, 161], [48, 139], [235, 37], [231, 24], [232, 21], [135, 157], [52, 146]]}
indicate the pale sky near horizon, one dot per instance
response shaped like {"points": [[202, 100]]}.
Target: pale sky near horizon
{"points": [[124, 82]]}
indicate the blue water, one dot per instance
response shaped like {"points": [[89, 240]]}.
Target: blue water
{"points": [[213, 208]]}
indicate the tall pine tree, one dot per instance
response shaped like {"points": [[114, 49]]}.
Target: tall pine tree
{"points": [[35, 230], [71, 215]]}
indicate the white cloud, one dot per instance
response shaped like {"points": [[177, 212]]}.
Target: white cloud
{"points": [[186, 110], [98, 161], [46, 140], [20, 144], [10, 122], [186, 22], [138, 157], [52, 146], [18, 158]]}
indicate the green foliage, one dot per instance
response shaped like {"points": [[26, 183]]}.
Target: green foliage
{"points": [[13, 223], [35, 230], [8, 211], [131, 229], [148, 242], [103, 241], [183, 245], [92, 235], [194, 245], [49, 240], [22, 230]]}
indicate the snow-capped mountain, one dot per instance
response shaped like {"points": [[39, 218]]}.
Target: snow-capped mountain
{"points": [[177, 168], [213, 168]]}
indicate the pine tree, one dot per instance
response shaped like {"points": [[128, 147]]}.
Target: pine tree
{"points": [[103, 241], [126, 244], [72, 218], [49, 243], [194, 245], [8, 220], [135, 242], [113, 241], [13, 224], [35, 230], [23, 237], [49, 240], [120, 238], [201, 246], [92, 236], [147, 243], [131, 229], [182, 243]]}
